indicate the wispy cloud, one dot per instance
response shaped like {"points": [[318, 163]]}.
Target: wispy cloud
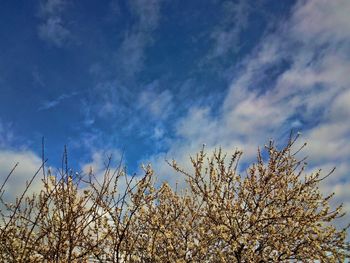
{"points": [[52, 7], [38, 78], [311, 87], [6, 134], [53, 28], [54, 31], [227, 36], [131, 53], [55, 102], [113, 94], [157, 104]]}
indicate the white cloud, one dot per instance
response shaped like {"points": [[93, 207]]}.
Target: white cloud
{"points": [[29, 164], [54, 31], [148, 12], [53, 103], [325, 20], [53, 28], [131, 52], [99, 164], [52, 7], [340, 108], [158, 105], [6, 134], [329, 141], [113, 96], [99, 161], [158, 133], [313, 88], [227, 36]]}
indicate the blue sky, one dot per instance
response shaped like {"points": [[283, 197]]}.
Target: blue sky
{"points": [[156, 79]]}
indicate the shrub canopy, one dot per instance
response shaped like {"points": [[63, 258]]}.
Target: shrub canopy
{"points": [[272, 213]]}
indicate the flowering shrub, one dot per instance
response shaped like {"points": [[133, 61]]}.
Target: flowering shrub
{"points": [[273, 213]]}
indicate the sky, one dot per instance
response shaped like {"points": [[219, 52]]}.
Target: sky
{"points": [[151, 80]]}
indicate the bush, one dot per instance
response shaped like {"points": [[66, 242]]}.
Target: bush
{"points": [[274, 213]]}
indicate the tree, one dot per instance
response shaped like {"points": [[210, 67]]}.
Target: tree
{"points": [[273, 213]]}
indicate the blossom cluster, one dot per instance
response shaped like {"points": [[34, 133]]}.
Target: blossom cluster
{"points": [[273, 213]]}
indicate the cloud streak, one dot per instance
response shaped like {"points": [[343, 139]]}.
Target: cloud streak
{"points": [[6, 135], [131, 52], [227, 36], [310, 89], [54, 103]]}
